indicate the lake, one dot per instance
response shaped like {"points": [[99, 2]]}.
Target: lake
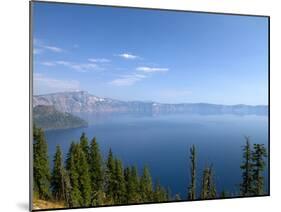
{"points": [[162, 143]]}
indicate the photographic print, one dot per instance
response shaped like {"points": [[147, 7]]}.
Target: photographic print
{"points": [[133, 105]]}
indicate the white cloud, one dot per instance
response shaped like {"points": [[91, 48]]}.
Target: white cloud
{"points": [[43, 84], [127, 80], [52, 48], [128, 56], [40, 46], [48, 63], [99, 60], [147, 69], [81, 67]]}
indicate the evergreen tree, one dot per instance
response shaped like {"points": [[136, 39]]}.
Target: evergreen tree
{"points": [[247, 178], [41, 168], [58, 174], [258, 155], [77, 166], [192, 187], [75, 196], [69, 155], [127, 179], [67, 188], [96, 172], [146, 190], [159, 194], [208, 190], [84, 177], [119, 183], [134, 196], [109, 177], [85, 145]]}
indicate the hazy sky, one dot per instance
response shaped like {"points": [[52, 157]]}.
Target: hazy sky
{"points": [[135, 54]]}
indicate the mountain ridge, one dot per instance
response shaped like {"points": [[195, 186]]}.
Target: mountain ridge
{"points": [[84, 102]]}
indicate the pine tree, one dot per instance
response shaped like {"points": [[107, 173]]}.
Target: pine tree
{"points": [[75, 196], [146, 188], [208, 190], [127, 179], [84, 177], [69, 155], [246, 187], [109, 177], [258, 155], [119, 183], [159, 194], [41, 168], [192, 187], [67, 188], [58, 174], [134, 196], [85, 145], [77, 166], [96, 172]]}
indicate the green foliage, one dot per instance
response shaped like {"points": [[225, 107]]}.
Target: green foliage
{"points": [[160, 193], [118, 183], [96, 172], [84, 176], [246, 186], [84, 144], [208, 189], [77, 166], [134, 185], [41, 167], [75, 196], [258, 155], [58, 177], [146, 188], [192, 186], [109, 177], [252, 169]]}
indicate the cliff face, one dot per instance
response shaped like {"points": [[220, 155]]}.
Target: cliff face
{"points": [[83, 102]]}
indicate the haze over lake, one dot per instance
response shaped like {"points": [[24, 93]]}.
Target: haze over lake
{"points": [[162, 143]]}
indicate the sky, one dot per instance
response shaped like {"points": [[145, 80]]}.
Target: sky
{"points": [[150, 55]]}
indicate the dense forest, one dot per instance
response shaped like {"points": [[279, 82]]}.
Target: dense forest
{"points": [[86, 179]]}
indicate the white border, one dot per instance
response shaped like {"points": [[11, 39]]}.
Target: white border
{"points": [[14, 151]]}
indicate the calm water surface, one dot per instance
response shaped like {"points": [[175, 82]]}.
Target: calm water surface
{"points": [[162, 143]]}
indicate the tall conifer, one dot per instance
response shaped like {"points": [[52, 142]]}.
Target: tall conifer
{"points": [[192, 186], [41, 166], [96, 172], [258, 155], [109, 177], [146, 188], [246, 187], [58, 175]]}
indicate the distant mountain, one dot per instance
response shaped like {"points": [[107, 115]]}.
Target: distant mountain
{"points": [[47, 117], [83, 102]]}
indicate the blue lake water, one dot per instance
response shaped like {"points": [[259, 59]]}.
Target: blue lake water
{"points": [[162, 143]]}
